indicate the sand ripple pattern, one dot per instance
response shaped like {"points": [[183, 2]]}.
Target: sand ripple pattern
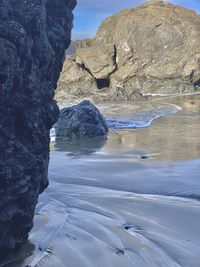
{"points": [[87, 224]]}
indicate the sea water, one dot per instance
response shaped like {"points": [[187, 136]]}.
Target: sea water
{"points": [[129, 200]]}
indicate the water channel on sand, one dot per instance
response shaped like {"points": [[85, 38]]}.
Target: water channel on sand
{"points": [[132, 200]]}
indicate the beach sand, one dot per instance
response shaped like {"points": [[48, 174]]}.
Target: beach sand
{"points": [[129, 201]]}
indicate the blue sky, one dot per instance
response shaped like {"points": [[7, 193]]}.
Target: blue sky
{"points": [[89, 14]]}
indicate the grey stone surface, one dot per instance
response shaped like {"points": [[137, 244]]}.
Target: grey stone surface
{"points": [[76, 80], [99, 60], [157, 51], [157, 48], [33, 37], [83, 120]]}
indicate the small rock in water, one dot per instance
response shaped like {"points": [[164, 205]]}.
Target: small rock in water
{"points": [[144, 156], [119, 251], [127, 226], [80, 121]]}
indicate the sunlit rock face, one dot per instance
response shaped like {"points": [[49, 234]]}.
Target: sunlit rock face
{"points": [[156, 51], [157, 48], [33, 38]]}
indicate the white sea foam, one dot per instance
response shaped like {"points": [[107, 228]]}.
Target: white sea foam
{"points": [[143, 119]]}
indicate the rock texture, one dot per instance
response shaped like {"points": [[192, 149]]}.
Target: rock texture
{"points": [[156, 51], [99, 60], [80, 121], [76, 79], [33, 37]]}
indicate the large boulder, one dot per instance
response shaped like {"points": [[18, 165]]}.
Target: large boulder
{"points": [[76, 79], [100, 60], [83, 120], [87, 72], [157, 48], [33, 38], [156, 51]]}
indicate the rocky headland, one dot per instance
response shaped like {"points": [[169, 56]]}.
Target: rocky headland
{"points": [[151, 49], [33, 38]]}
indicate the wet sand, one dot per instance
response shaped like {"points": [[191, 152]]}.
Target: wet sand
{"points": [[132, 200]]}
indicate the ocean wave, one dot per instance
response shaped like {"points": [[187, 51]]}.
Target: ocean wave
{"points": [[143, 119]]}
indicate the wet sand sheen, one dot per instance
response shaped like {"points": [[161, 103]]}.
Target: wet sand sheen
{"points": [[130, 201], [98, 226]]}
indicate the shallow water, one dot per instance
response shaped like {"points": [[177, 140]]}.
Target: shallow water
{"points": [[131, 200]]}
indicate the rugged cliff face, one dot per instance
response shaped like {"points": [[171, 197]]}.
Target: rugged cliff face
{"points": [[156, 51], [33, 38]]}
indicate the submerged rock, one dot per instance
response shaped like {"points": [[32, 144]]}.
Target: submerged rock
{"points": [[156, 51], [33, 38], [80, 121]]}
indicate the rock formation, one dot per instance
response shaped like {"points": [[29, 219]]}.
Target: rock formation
{"points": [[80, 121], [76, 79], [156, 51], [33, 37]]}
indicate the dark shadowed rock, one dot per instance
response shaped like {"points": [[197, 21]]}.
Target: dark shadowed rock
{"points": [[157, 51], [33, 38], [80, 121]]}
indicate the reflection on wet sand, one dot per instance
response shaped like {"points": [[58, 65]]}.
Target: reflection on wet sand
{"points": [[80, 147], [166, 139], [172, 137], [132, 200]]}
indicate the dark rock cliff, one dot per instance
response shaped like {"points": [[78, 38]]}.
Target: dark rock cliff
{"points": [[33, 37]]}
